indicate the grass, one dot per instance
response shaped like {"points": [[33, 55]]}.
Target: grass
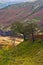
{"points": [[26, 53]]}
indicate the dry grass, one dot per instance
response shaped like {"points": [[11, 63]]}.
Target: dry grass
{"points": [[9, 40]]}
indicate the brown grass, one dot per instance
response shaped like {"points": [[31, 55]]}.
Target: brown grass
{"points": [[9, 40]]}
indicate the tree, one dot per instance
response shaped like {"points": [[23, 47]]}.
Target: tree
{"points": [[25, 28], [33, 27], [20, 27]]}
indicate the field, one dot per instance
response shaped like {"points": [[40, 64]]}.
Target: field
{"points": [[26, 53]]}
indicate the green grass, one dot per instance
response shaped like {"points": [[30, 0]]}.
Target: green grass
{"points": [[26, 53]]}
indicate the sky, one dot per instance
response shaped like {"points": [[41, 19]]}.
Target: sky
{"points": [[1, 1]]}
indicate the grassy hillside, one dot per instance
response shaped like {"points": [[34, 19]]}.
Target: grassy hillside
{"points": [[26, 53]]}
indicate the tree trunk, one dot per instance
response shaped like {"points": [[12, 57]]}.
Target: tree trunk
{"points": [[33, 37], [24, 37]]}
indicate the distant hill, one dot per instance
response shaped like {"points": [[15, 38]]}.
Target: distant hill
{"points": [[20, 12], [3, 5]]}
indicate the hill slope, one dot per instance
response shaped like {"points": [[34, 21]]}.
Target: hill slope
{"points": [[20, 12], [14, 13], [24, 54]]}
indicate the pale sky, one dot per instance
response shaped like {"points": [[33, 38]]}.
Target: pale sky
{"points": [[15, 0]]}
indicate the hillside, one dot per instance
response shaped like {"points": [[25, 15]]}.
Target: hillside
{"points": [[20, 12], [21, 43], [13, 13], [26, 53]]}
